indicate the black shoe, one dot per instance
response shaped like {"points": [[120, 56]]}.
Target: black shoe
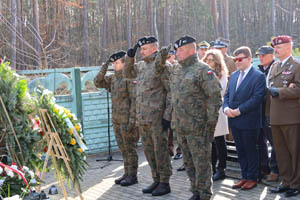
{"points": [[129, 180], [279, 189], [195, 197], [118, 181], [177, 156], [182, 168], [161, 189], [150, 188], [291, 193], [219, 175]]}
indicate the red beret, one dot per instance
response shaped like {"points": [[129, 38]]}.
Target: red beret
{"points": [[281, 40]]}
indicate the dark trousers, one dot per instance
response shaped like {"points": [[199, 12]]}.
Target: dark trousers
{"points": [[267, 164], [219, 152], [246, 146]]}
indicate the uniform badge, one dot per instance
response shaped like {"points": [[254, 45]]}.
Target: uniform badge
{"points": [[134, 82], [210, 72]]}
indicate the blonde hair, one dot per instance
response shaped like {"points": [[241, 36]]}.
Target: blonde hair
{"points": [[220, 65]]}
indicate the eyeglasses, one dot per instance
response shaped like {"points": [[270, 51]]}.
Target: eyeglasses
{"points": [[239, 59], [210, 60]]}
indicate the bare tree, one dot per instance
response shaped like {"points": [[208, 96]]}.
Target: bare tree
{"points": [[226, 19], [36, 26], [103, 44], [13, 34], [86, 53], [128, 14], [19, 28], [167, 23], [214, 11]]}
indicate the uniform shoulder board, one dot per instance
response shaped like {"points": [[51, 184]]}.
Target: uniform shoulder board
{"points": [[297, 60]]}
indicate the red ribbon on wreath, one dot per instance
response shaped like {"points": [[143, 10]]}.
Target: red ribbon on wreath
{"points": [[16, 171]]}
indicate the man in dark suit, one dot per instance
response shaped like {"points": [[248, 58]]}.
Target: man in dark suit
{"points": [[243, 104], [284, 87]]}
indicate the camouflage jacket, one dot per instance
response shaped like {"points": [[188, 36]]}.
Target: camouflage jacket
{"points": [[196, 96], [152, 92], [123, 95]]}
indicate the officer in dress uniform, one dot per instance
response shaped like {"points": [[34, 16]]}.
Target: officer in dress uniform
{"points": [[284, 88]]}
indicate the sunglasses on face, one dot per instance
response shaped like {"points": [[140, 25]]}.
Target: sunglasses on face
{"points": [[210, 60], [240, 59]]}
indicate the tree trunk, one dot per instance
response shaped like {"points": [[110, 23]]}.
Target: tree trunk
{"points": [[20, 32], [103, 44], [36, 39], [273, 16], [214, 11], [167, 24], [226, 19], [116, 21], [128, 22], [13, 34], [86, 53], [155, 19]]}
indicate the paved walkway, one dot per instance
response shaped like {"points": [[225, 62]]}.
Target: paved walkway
{"points": [[99, 184]]}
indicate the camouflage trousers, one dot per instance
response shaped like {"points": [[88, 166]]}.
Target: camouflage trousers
{"points": [[155, 144], [127, 143], [196, 151]]}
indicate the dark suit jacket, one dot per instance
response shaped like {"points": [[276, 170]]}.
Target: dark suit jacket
{"points": [[248, 98]]}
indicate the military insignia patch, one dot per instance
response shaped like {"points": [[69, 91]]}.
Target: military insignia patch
{"points": [[210, 72], [134, 82]]}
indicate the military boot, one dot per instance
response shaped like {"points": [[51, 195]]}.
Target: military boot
{"points": [[129, 180], [161, 189], [118, 180], [150, 188]]}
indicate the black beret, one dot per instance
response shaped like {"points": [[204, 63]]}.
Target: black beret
{"points": [[117, 56], [146, 40], [265, 50], [183, 41]]}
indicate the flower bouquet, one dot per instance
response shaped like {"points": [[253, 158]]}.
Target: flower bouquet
{"points": [[70, 132], [16, 182]]}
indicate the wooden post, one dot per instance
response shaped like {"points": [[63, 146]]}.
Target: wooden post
{"points": [[56, 150], [76, 94]]}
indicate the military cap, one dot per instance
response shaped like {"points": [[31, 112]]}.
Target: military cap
{"points": [[146, 40], [281, 40], [171, 52], [220, 44], [212, 43], [117, 56], [183, 41], [263, 50], [203, 45]]}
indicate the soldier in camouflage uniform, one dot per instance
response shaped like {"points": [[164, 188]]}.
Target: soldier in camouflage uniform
{"points": [[196, 100], [153, 112], [123, 93]]}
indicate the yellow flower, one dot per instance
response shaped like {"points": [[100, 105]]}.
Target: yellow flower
{"points": [[73, 141], [56, 110], [67, 111], [71, 131], [69, 115], [80, 150], [77, 127]]}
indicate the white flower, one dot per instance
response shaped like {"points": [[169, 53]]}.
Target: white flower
{"points": [[10, 173], [84, 158], [31, 174], [33, 181], [1, 170], [2, 181], [14, 167], [25, 169], [16, 197]]}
